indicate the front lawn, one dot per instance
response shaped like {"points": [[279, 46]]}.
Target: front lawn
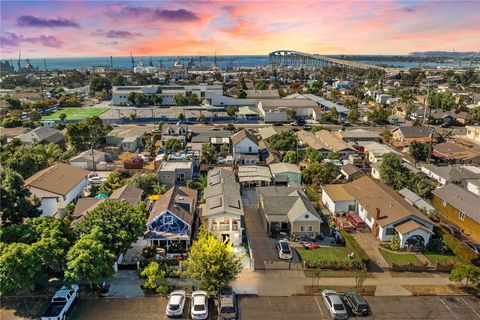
{"points": [[76, 113], [399, 258], [435, 257], [322, 254]]}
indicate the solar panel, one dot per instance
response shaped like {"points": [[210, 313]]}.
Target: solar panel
{"points": [[215, 202]]}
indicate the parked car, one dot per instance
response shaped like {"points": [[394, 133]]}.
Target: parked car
{"points": [[227, 305], [284, 251], [176, 302], [61, 303], [96, 180], [356, 302], [475, 247], [310, 245], [199, 309], [453, 230], [334, 304]]}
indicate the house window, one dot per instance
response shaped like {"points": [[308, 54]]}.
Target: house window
{"points": [[444, 204], [461, 215], [369, 218], [168, 220], [390, 231], [306, 228], [181, 177]]}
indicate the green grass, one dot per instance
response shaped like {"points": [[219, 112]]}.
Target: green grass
{"points": [[75, 113], [331, 273], [324, 254], [435, 257], [365, 290], [399, 258]]}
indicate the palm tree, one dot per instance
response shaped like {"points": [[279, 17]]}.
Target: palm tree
{"points": [[51, 151]]}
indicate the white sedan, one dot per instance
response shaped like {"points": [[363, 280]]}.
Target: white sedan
{"points": [[334, 304], [199, 310], [176, 302]]}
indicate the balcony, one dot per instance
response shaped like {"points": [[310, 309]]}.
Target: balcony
{"points": [[224, 227]]}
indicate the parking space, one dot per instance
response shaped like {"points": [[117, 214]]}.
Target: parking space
{"points": [[404, 308], [263, 247]]}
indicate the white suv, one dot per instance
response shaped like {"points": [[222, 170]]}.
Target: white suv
{"points": [[176, 302], [284, 251]]}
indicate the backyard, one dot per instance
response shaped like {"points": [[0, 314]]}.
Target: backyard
{"points": [[399, 258], [75, 113]]}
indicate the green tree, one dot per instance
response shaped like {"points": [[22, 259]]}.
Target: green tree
{"points": [[319, 128], [199, 183], [331, 116], [173, 145], [131, 98], [154, 276], [476, 113], [25, 161], [224, 149], [312, 155], [193, 100], [88, 259], [231, 111], [333, 156], [35, 115], [15, 203], [419, 151], [380, 115], [12, 103], [386, 135], [133, 115], [116, 224], [208, 153], [261, 85], [19, 266], [467, 272], [353, 114], [12, 122], [113, 182], [181, 116], [290, 157], [241, 94], [211, 262], [141, 99], [392, 172], [52, 152], [145, 181], [99, 84], [283, 141], [84, 135], [180, 100], [201, 118], [155, 100], [320, 173], [291, 114]]}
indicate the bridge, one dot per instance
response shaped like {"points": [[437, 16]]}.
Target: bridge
{"points": [[307, 60]]}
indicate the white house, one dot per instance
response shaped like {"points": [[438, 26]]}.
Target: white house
{"points": [[245, 147], [384, 211], [223, 206], [56, 187]]}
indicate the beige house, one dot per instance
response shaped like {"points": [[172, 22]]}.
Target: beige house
{"points": [[287, 210]]}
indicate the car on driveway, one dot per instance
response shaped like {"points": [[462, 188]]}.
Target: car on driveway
{"points": [[334, 305], [356, 302], [475, 247], [453, 230], [227, 305], [284, 251], [61, 303], [176, 302], [199, 309]]}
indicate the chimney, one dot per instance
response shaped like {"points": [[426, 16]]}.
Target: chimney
{"points": [[377, 215]]}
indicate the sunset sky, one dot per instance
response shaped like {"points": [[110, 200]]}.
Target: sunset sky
{"points": [[103, 28]]}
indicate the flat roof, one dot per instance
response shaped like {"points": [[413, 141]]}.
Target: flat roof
{"points": [[337, 192]]}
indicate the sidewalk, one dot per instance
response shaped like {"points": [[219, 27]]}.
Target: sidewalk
{"points": [[286, 283]]}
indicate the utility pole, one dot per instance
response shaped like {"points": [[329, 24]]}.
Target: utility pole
{"points": [[45, 64], [133, 61], [111, 63], [18, 62]]}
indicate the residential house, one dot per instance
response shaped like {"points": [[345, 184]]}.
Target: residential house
{"points": [[245, 147], [473, 133], [170, 222], [324, 104], [11, 133], [128, 193], [460, 207], [415, 200], [474, 186], [343, 84], [276, 110], [325, 142], [456, 174], [175, 172], [56, 187], [88, 159], [440, 117], [223, 207], [384, 211], [457, 151], [375, 151], [382, 98], [287, 210], [247, 112], [127, 137], [286, 173], [403, 136], [172, 131], [43, 135], [262, 94], [358, 135], [350, 172], [256, 176]]}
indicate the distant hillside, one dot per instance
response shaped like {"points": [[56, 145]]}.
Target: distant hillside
{"points": [[442, 54]]}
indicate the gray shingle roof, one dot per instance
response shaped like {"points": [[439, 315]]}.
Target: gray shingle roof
{"points": [[461, 199]]}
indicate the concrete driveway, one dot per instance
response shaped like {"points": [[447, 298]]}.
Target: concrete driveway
{"points": [[263, 248]]}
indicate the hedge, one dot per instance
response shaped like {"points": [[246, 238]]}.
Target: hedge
{"points": [[459, 249], [353, 245]]}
